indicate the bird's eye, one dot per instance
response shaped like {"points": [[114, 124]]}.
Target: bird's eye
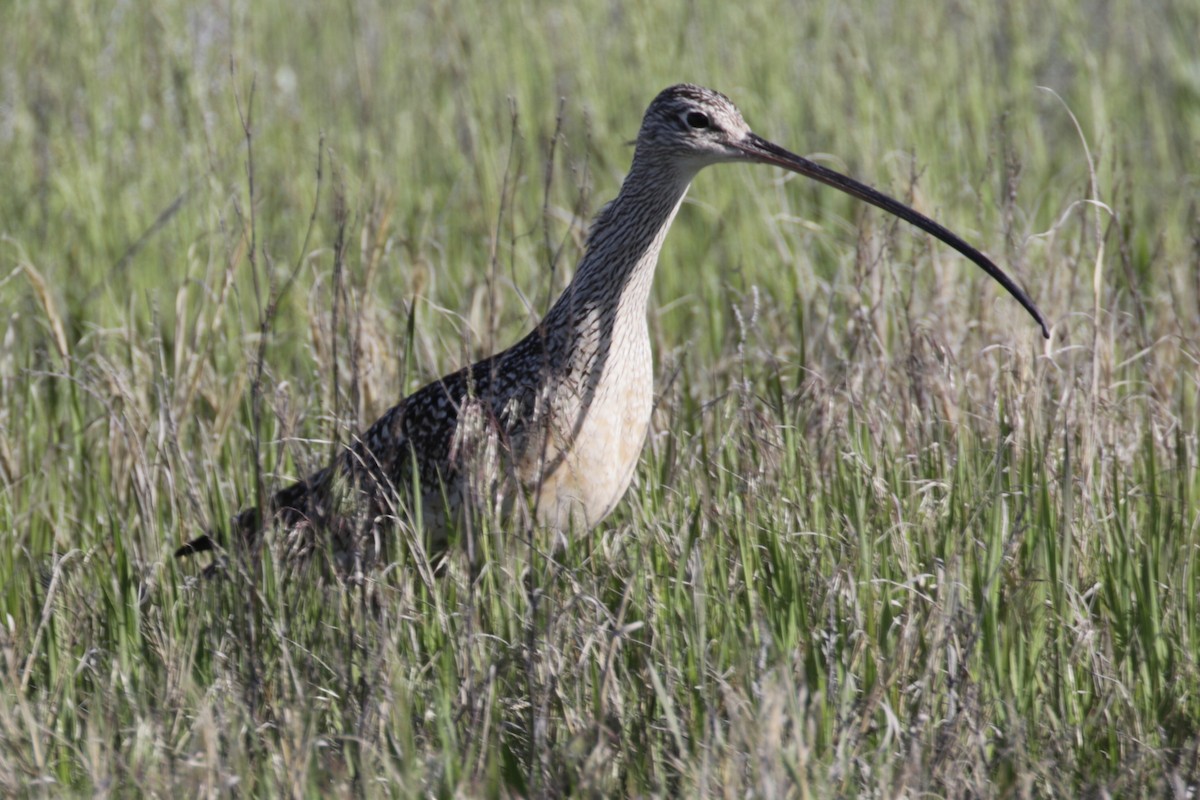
{"points": [[697, 120]]}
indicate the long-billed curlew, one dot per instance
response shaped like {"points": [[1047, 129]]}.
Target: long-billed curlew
{"points": [[554, 425]]}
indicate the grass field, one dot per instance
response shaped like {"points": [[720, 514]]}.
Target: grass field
{"points": [[883, 541]]}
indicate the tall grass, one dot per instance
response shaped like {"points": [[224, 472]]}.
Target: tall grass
{"points": [[882, 541]]}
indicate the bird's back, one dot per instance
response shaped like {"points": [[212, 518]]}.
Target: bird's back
{"points": [[463, 443]]}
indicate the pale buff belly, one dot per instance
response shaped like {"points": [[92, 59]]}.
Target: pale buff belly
{"points": [[583, 476]]}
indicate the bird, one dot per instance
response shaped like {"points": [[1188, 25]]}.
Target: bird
{"points": [[552, 428]]}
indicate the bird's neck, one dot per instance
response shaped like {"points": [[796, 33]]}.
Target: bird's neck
{"points": [[611, 287]]}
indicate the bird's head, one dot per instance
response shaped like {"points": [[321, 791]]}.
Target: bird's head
{"points": [[692, 126], [688, 127]]}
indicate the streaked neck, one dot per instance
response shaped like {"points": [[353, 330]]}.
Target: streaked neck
{"points": [[614, 277]]}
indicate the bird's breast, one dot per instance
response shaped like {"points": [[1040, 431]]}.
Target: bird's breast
{"points": [[595, 432]]}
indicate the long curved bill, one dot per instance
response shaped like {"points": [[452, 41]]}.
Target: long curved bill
{"points": [[759, 149]]}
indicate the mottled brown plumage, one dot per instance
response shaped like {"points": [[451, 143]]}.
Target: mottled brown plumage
{"points": [[551, 429]]}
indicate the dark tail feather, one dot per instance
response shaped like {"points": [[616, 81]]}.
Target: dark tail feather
{"points": [[289, 506], [201, 544], [244, 524]]}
